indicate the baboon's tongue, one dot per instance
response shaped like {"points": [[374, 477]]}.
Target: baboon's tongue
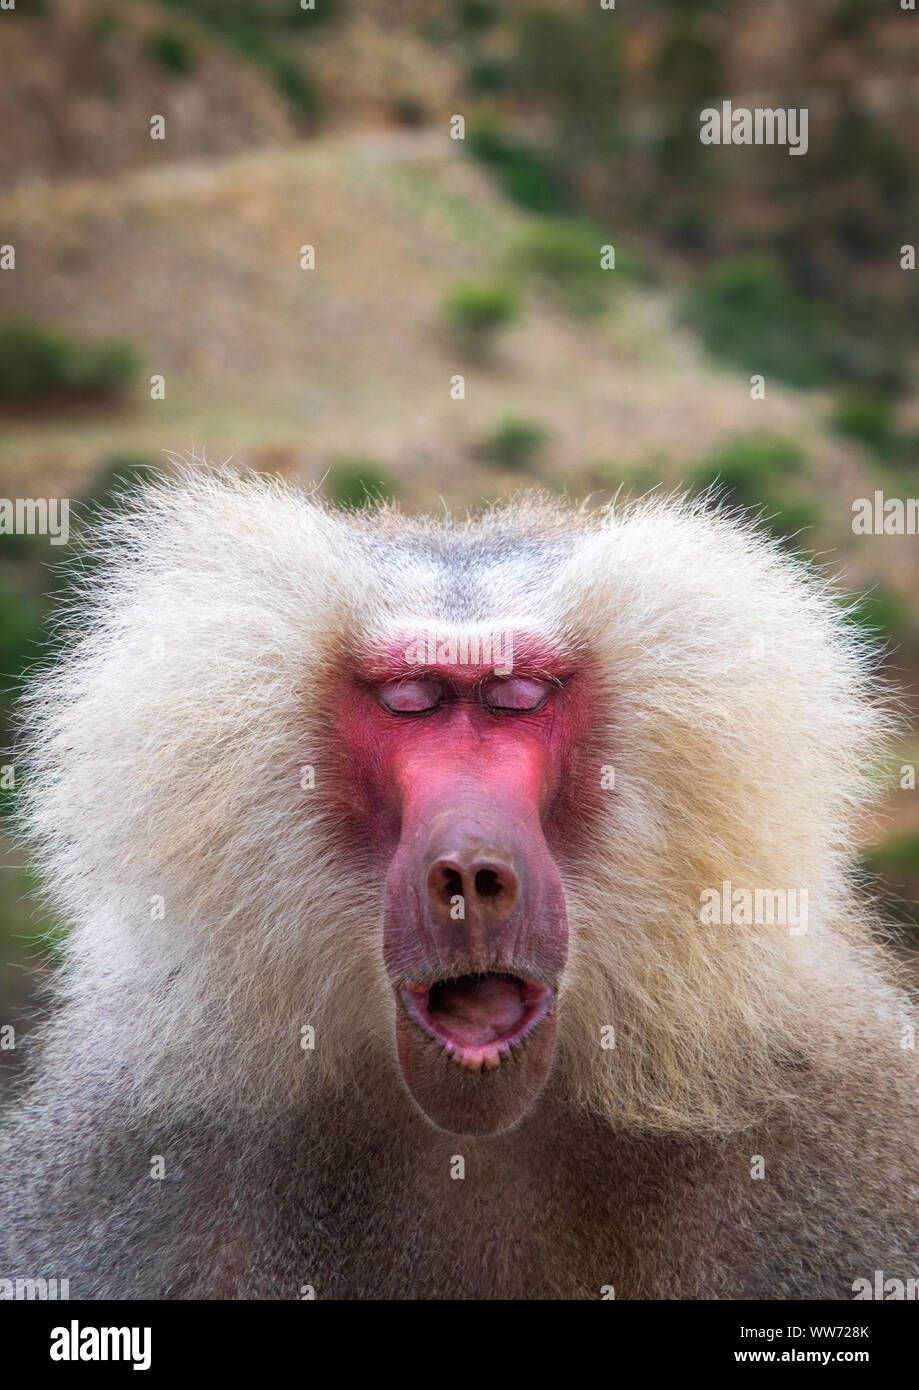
{"points": [[475, 1010]]}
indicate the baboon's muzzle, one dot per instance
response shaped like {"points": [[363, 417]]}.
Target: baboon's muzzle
{"points": [[475, 941]]}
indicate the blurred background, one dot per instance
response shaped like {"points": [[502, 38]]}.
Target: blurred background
{"points": [[330, 127]]}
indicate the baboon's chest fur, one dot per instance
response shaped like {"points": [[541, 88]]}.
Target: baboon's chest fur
{"points": [[542, 1212]]}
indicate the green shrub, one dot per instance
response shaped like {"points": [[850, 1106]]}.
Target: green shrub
{"points": [[788, 517], [355, 482], [883, 614], [487, 139], [528, 180], [173, 51], [36, 361], [477, 310], [515, 443], [261, 34], [898, 855], [280, 17], [113, 481], [23, 637], [33, 362], [292, 81], [892, 867], [750, 316], [561, 250], [865, 147], [118, 476], [488, 72], [524, 174], [753, 472], [478, 14], [7, 805], [20, 633], [750, 465], [565, 252], [21, 546], [868, 417]]}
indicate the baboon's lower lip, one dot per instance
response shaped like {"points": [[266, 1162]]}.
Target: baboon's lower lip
{"points": [[478, 1018]]}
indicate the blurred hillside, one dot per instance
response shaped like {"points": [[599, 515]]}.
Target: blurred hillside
{"points": [[479, 257]]}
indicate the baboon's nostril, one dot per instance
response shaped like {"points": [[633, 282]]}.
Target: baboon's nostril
{"points": [[497, 887], [451, 885], [445, 884], [492, 887], [487, 883]]}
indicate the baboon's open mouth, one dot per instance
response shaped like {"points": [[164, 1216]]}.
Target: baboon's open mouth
{"points": [[478, 1018]]}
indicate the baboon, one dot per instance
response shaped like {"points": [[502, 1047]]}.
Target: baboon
{"points": [[389, 847]]}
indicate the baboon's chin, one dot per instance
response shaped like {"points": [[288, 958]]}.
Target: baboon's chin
{"points": [[475, 1049]]}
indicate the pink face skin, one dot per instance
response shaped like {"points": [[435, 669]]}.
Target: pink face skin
{"points": [[464, 781]]}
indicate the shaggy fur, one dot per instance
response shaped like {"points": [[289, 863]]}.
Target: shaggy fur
{"points": [[165, 752]]}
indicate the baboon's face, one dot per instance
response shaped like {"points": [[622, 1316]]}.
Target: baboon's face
{"points": [[464, 782]]}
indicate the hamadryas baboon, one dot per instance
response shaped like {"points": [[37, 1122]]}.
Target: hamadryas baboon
{"points": [[385, 844]]}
